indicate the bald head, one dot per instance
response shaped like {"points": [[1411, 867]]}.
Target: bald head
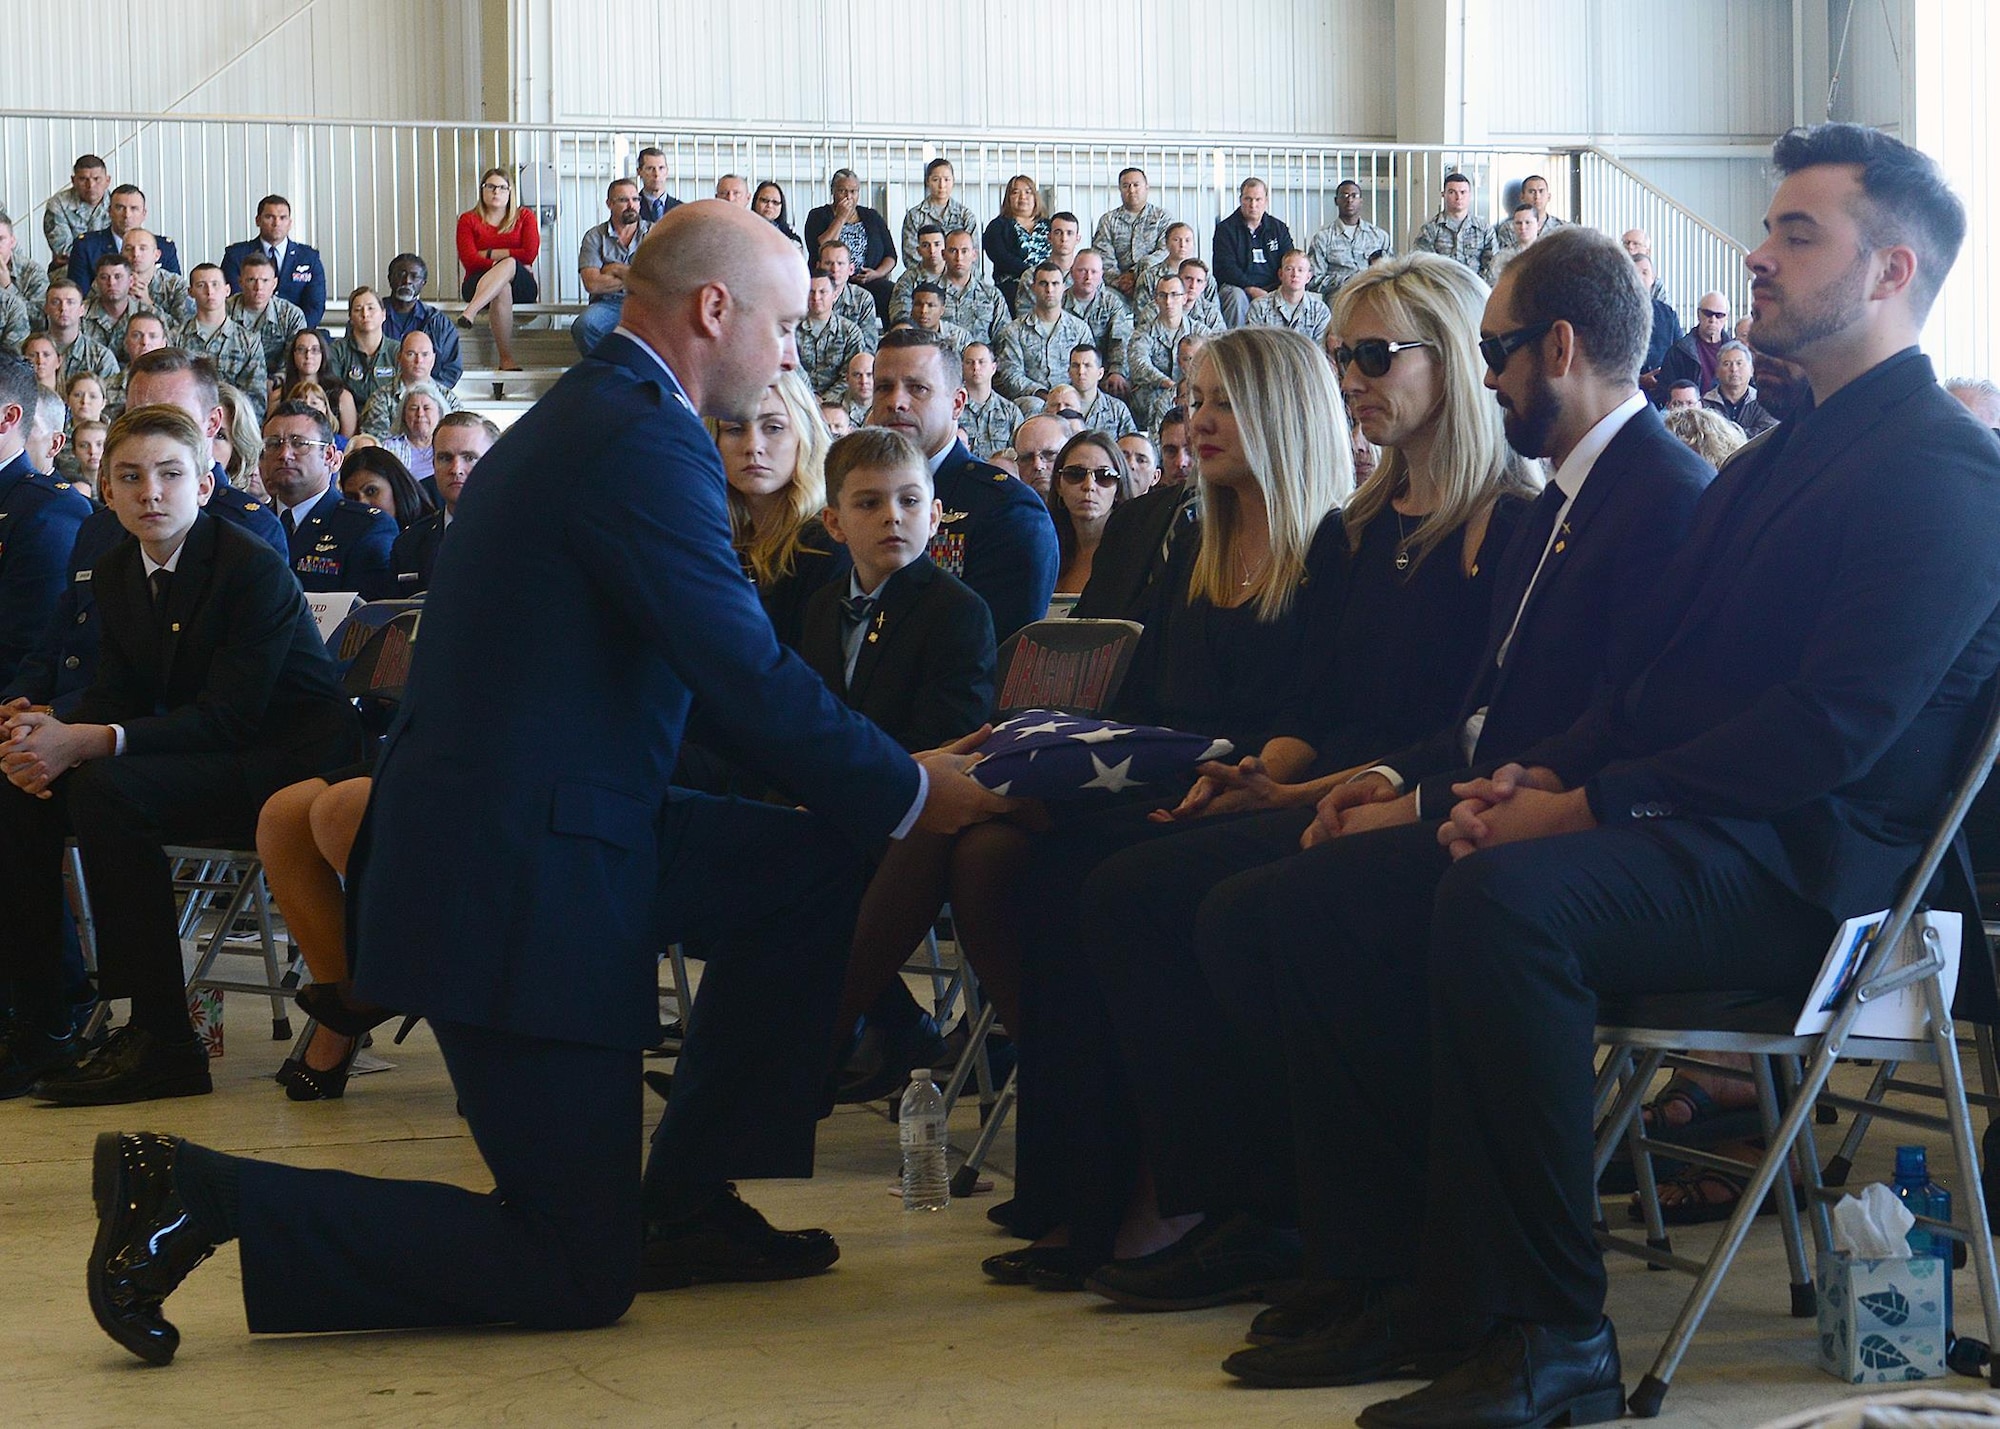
{"points": [[1711, 317], [717, 291], [1637, 241]]}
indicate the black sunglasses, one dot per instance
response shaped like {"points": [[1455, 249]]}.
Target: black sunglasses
{"points": [[1372, 355], [1712, 313], [1496, 349], [1104, 476]]}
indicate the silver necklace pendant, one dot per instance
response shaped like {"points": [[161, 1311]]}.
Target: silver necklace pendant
{"points": [[1403, 560]]}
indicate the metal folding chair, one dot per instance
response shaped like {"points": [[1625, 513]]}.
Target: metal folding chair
{"points": [[232, 881], [1791, 1074]]}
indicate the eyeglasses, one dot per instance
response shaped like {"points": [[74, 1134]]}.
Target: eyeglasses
{"points": [[1712, 313], [1497, 349], [1372, 355], [275, 445], [1104, 476]]}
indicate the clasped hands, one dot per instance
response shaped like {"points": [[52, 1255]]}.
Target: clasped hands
{"points": [[1515, 804], [39, 748]]}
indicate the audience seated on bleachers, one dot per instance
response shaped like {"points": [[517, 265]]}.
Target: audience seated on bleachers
{"points": [[1246, 247], [1017, 239], [259, 311], [1979, 396], [1682, 392], [856, 392], [300, 271], [654, 200], [21, 275], [1291, 304], [336, 544], [213, 691], [1142, 459], [733, 188], [83, 207], [1521, 228], [1038, 441], [1104, 312], [1065, 242], [602, 260], [128, 211], [416, 362], [1733, 395], [769, 202], [927, 316], [969, 299], [1101, 412], [111, 303], [1091, 480], [989, 417], [850, 299], [1453, 231], [926, 267], [76, 351], [308, 357], [936, 207], [1033, 353], [1347, 245], [155, 287], [870, 245], [17, 319]]}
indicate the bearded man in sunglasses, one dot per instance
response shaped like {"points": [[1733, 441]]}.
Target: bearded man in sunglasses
{"points": [[1693, 357]]}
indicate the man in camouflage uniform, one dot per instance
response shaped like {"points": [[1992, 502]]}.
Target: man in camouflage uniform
{"points": [[1347, 245], [84, 207], [1034, 349], [1453, 232], [1204, 308], [1102, 412], [850, 300], [21, 277], [970, 300], [929, 268], [1132, 237], [827, 341], [1507, 235], [1065, 242], [1153, 356], [144, 332], [1103, 312], [212, 333], [111, 305], [76, 350], [416, 361], [988, 419], [272, 320], [1291, 305], [927, 315], [154, 288]]}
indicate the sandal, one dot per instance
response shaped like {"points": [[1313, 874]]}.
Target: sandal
{"points": [[1705, 1123], [1698, 1197]]}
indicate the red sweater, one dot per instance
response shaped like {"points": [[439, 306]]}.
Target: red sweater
{"points": [[523, 242]]}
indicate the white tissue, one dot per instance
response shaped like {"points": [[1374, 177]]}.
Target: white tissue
{"points": [[1872, 1226]]}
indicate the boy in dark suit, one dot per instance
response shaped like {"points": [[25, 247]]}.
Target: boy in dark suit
{"points": [[905, 643], [213, 691]]}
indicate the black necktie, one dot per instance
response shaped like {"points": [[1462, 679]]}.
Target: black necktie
{"points": [[291, 526], [855, 609], [160, 580]]}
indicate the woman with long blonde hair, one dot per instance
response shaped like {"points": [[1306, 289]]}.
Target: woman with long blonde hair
{"points": [[498, 242], [775, 464]]}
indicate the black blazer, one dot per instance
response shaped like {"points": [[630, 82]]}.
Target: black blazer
{"points": [[925, 669], [1813, 673], [235, 666], [413, 558], [1631, 516], [1133, 553], [881, 243]]}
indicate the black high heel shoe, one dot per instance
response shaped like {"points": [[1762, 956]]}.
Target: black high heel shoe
{"points": [[314, 1084], [324, 1004]]}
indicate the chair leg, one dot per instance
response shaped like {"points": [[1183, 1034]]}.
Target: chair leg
{"points": [[683, 999], [1806, 1163], [1842, 1165], [966, 1177], [968, 1060], [1966, 1148], [1805, 1302], [1989, 1068], [281, 1005]]}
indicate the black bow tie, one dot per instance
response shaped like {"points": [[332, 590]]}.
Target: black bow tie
{"points": [[855, 609]]}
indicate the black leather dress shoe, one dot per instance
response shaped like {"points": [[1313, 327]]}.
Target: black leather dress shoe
{"points": [[132, 1066], [1310, 1307], [1219, 1262], [27, 1055], [729, 1241], [1524, 1376], [1376, 1343], [145, 1245], [1045, 1267]]}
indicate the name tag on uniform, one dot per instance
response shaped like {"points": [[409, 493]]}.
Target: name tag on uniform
{"points": [[82, 576], [408, 577], [1257, 254]]}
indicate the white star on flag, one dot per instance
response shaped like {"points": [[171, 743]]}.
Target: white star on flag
{"points": [[1053, 726], [1099, 736], [1112, 776]]}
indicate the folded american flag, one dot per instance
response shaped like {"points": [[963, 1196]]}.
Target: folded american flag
{"points": [[1045, 754]]}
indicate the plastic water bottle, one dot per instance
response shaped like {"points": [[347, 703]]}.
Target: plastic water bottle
{"points": [[1914, 1187], [920, 1123]]}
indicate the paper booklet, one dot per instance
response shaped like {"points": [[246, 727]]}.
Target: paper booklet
{"points": [[1900, 1014]]}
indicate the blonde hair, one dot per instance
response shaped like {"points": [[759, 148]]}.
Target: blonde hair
{"points": [[246, 439], [307, 390], [1707, 433], [1294, 432], [773, 554], [512, 215], [1422, 296]]}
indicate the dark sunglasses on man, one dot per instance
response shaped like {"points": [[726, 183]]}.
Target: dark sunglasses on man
{"points": [[1104, 476], [1497, 349], [1372, 355]]}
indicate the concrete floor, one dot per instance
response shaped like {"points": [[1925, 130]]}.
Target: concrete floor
{"points": [[905, 1330]]}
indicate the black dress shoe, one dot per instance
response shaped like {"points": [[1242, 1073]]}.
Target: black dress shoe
{"points": [[1219, 1262], [1359, 1348], [145, 1245], [27, 1055], [1522, 1377], [729, 1241], [1310, 1307], [132, 1066], [1046, 1267]]}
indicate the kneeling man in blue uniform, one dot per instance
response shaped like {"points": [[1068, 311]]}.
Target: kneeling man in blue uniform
{"points": [[592, 594]]}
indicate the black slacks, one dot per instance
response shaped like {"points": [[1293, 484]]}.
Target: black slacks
{"points": [[772, 894], [121, 812]]}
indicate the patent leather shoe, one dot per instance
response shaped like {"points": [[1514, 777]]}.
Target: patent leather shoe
{"points": [[145, 1243], [1045, 1267], [729, 1241], [1523, 1376]]}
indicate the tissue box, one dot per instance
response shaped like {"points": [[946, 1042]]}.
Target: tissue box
{"points": [[1881, 1321]]}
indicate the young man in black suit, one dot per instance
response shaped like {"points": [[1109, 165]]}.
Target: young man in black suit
{"points": [[462, 439], [905, 643], [1767, 763], [213, 691]]}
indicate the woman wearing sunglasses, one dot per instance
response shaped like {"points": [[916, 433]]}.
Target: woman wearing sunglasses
{"points": [[1092, 478]]}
